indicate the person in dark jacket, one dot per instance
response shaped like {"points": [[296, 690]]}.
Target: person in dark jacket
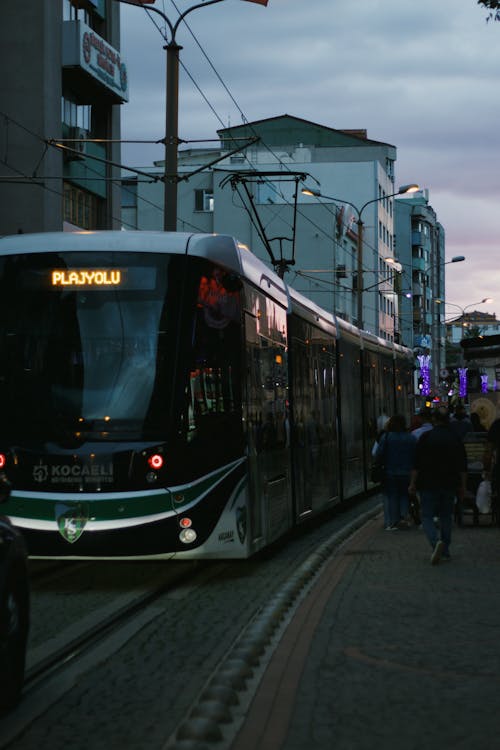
{"points": [[396, 452], [439, 475], [460, 422]]}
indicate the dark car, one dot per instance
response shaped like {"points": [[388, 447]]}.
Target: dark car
{"points": [[14, 608]]}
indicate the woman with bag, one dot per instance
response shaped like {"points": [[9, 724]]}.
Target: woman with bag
{"points": [[396, 453]]}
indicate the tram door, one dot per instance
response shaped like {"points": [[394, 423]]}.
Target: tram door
{"points": [[314, 420], [266, 419]]}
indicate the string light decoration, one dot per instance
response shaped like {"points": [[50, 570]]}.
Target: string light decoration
{"points": [[424, 361], [462, 382]]}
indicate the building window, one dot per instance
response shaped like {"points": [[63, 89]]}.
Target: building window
{"points": [[203, 200], [129, 194], [74, 11], [80, 207], [76, 115]]}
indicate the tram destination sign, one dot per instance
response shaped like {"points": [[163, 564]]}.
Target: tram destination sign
{"points": [[88, 277], [91, 278]]}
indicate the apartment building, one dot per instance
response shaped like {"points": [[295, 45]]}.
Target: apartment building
{"points": [[314, 240], [64, 81]]}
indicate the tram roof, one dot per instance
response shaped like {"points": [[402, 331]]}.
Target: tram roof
{"points": [[220, 248]]}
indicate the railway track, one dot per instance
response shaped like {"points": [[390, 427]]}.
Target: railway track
{"points": [[185, 636], [55, 664]]}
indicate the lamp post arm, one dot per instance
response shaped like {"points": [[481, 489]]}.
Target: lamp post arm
{"points": [[377, 200], [174, 26], [183, 15], [165, 18]]}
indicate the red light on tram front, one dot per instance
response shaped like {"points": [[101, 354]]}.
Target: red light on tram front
{"points": [[3, 460], [185, 523], [155, 461]]}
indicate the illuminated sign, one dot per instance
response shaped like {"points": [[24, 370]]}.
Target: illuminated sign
{"points": [[98, 278], [86, 277]]}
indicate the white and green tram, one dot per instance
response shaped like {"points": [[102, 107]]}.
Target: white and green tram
{"points": [[168, 395]]}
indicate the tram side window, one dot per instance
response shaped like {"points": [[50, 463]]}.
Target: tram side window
{"points": [[213, 419], [267, 375], [270, 379], [314, 398]]}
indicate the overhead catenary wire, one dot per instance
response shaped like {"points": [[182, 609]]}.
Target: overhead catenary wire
{"points": [[285, 166]]}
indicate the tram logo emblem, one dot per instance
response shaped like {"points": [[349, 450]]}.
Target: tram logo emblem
{"points": [[71, 520], [241, 523], [41, 473]]}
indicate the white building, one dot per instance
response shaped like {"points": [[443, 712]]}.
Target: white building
{"points": [[318, 242]]}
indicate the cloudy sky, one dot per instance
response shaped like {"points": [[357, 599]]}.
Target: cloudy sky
{"points": [[422, 75]]}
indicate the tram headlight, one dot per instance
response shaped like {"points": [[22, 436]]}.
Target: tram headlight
{"points": [[188, 536], [151, 477]]}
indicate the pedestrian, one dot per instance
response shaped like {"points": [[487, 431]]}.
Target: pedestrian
{"points": [[425, 415], [382, 421], [396, 453], [460, 422], [492, 457], [477, 425], [439, 474]]}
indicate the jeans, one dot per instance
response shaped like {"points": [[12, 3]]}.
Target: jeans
{"points": [[396, 505], [437, 503]]}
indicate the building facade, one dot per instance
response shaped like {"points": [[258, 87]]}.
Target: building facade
{"points": [[314, 238], [469, 324], [420, 250], [63, 89]]}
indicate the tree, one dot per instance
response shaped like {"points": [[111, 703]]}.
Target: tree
{"points": [[493, 7], [473, 332]]}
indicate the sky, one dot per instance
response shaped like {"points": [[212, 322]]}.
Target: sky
{"points": [[422, 75]]}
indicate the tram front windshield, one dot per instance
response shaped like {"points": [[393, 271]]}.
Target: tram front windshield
{"points": [[86, 344]]}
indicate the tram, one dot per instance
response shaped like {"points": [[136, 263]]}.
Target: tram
{"points": [[167, 395]]}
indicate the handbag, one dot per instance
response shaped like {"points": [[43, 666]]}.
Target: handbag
{"points": [[483, 496]]}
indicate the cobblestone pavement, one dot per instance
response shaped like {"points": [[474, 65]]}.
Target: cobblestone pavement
{"points": [[137, 697], [388, 651]]}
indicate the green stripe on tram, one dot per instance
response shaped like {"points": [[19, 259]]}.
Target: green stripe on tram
{"points": [[118, 507]]}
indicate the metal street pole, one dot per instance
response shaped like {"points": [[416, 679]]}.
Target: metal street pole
{"points": [[360, 280], [359, 211], [170, 177]]}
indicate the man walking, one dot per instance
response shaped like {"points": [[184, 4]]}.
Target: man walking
{"points": [[439, 474]]}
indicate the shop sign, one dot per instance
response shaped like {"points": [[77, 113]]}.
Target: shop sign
{"points": [[96, 56]]}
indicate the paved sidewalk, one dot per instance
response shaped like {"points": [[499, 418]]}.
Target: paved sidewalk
{"points": [[388, 651]]}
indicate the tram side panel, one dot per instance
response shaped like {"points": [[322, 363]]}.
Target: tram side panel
{"points": [[378, 395], [266, 420], [403, 384], [313, 401], [350, 415]]}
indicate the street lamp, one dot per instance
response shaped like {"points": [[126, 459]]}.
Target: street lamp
{"points": [[462, 370], [172, 107], [484, 301], [455, 259], [359, 211]]}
